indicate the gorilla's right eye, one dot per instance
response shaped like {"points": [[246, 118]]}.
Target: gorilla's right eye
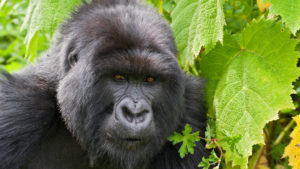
{"points": [[119, 77], [149, 79]]}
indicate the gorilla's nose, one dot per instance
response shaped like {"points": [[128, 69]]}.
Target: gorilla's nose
{"points": [[134, 113]]}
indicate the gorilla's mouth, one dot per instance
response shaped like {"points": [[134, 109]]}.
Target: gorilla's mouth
{"points": [[130, 143], [133, 143], [133, 140]]}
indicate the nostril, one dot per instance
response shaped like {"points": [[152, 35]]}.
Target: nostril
{"points": [[131, 116], [140, 117], [142, 113], [127, 114]]}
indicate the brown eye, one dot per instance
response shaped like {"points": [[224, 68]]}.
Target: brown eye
{"points": [[149, 79], [119, 77]]}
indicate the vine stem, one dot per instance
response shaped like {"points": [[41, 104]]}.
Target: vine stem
{"points": [[218, 146], [283, 133]]}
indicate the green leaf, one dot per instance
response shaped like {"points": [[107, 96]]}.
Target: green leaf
{"points": [[169, 5], [231, 140], [204, 163], [210, 161], [210, 132], [14, 66], [31, 47], [197, 24], [188, 140], [157, 3], [289, 10], [249, 81], [45, 15], [2, 3]]}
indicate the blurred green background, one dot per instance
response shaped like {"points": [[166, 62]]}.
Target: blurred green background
{"points": [[12, 46]]}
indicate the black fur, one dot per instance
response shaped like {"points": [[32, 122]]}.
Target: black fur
{"points": [[55, 114]]}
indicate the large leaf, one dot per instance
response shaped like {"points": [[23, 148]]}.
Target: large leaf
{"points": [[45, 15], [197, 24], [289, 10], [293, 149], [249, 81]]}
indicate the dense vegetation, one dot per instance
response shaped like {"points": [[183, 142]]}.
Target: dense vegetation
{"points": [[246, 50]]}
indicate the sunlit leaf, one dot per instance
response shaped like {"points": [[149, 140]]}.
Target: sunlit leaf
{"points": [[45, 16], [249, 81], [289, 10], [197, 24]]}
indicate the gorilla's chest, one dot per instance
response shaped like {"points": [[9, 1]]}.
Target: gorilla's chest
{"points": [[59, 151]]}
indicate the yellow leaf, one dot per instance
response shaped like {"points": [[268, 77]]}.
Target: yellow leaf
{"points": [[263, 5], [293, 149]]}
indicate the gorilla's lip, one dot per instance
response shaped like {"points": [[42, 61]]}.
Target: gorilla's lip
{"points": [[133, 143], [130, 139], [129, 142]]}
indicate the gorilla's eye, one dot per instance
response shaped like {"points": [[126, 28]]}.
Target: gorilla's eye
{"points": [[149, 79], [119, 77], [72, 59]]}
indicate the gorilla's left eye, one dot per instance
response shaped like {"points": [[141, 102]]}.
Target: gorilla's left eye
{"points": [[119, 77], [149, 79]]}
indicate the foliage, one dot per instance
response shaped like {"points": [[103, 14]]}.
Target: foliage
{"points": [[197, 24], [210, 161], [187, 138], [289, 10], [243, 75], [12, 47], [11, 41], [293, 149], [243, 48], [239, 13], [45, 16]]}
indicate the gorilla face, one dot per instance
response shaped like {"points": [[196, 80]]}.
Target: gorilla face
{"points": [[122, 103], [121, 92]]}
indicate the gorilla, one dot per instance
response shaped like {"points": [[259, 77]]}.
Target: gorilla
{"points": [[106, 95]]}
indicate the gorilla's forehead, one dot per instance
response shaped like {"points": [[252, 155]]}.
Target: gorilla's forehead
{"points": [[137, 61], [120, 26]]}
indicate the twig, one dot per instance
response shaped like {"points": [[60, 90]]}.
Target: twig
{"points": [[220, 150], [218, 146], [202, 138]]}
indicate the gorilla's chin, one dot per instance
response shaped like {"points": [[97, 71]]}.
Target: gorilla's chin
{"points": [[125, 153]]}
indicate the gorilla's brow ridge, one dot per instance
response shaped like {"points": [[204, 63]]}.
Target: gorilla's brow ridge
{"points": [[137, 62]]}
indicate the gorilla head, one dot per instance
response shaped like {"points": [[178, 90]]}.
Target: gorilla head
{"points": [[121, 91]]}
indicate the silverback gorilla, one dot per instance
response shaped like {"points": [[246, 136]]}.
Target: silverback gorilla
{"points": [[106, 95]]}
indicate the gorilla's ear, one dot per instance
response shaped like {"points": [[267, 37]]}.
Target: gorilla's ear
{"points": [[195, 98]]}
